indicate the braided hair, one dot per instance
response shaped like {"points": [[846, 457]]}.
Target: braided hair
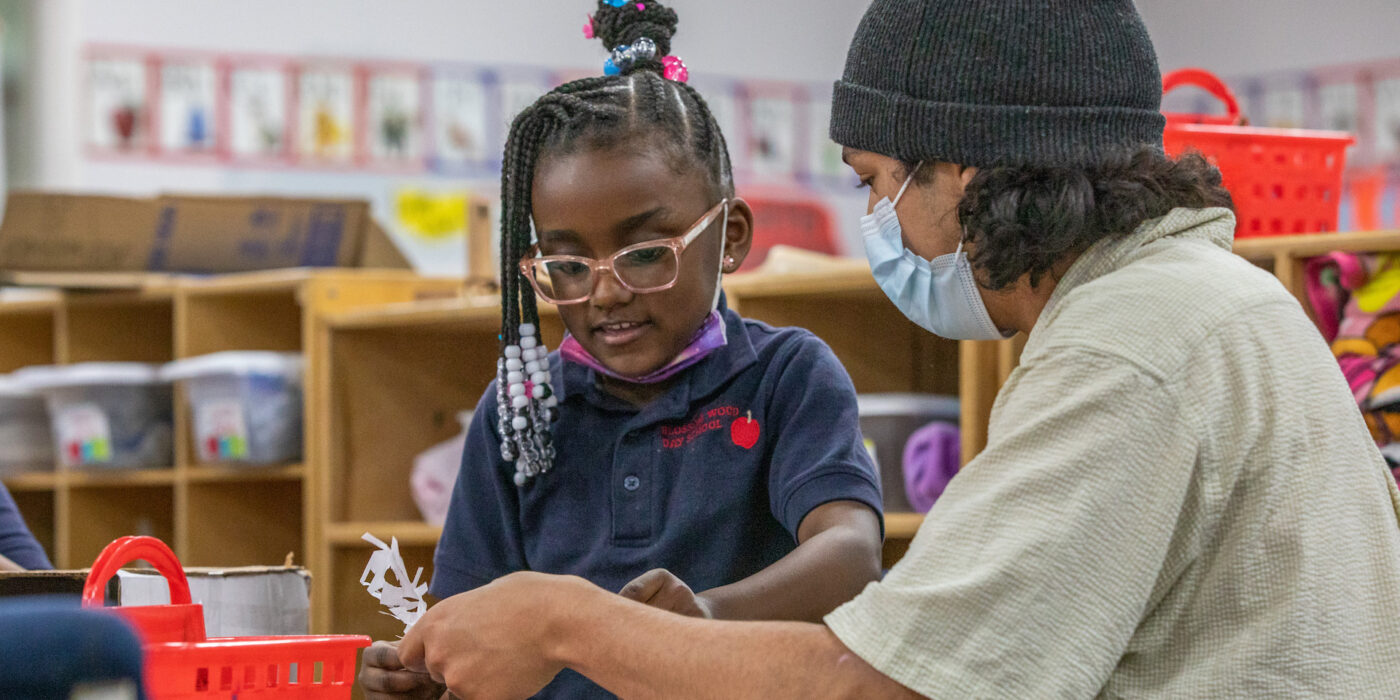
{"points": [[594, 113]]}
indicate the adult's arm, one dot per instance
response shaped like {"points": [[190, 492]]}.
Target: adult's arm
{"points": [[508, 639]]}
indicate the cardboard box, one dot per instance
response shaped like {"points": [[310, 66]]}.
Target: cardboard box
{"points": [[238, 602], [48, 232]]}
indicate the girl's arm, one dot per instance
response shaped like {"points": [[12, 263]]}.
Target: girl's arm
{"points": [[837, 555]]}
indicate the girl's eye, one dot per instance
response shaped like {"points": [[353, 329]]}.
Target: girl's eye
{"points": [[646, 256], [569, 268]]}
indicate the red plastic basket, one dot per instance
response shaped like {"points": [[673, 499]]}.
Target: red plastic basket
{"points": [[181, 662], [1283, 181]]}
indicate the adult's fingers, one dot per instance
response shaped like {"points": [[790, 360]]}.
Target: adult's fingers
{"points": [[411, 651]]}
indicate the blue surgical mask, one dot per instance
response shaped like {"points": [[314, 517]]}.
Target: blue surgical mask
{"points": [[941, 296]]}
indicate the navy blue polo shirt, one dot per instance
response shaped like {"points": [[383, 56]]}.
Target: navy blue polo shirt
{"points": [[710, 481]]}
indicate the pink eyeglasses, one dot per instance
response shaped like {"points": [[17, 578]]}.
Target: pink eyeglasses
{"points": [[653, 266]]}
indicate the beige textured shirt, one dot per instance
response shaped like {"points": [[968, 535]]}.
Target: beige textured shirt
{"points": [[1178, 499]]}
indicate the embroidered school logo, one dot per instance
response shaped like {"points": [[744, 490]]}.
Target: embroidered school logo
{"points": [[677, 436], [744, 431]]}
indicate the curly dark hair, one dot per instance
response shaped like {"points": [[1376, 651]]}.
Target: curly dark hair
{"points": [[1024, 220]]}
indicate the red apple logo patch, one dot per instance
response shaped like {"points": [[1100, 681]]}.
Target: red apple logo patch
{"points": [[744, 431]]}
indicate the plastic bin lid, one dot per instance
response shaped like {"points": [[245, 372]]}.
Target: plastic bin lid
{"points": [[88, 374], [12, 387], [282, 364], [931, 406]]}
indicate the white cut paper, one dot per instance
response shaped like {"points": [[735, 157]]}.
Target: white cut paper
{"points": [[402, 596]]}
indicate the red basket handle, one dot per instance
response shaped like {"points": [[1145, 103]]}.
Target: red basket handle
{"points": [[125, 550], [1207, 81]]}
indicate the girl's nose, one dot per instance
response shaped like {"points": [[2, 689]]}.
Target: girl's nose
{"points": [[608, 290]]}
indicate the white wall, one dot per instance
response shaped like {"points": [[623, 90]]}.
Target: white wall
{"points": [[1248, 37]]}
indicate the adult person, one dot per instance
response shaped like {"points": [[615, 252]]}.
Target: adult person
{"points": [[1178, 497]]}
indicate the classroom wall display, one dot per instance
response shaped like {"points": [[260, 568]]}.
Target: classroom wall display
{"points": [[460, 119], [1339, 105], [188, 121], [394, 116], [771, 129], [1387, 119], [721, 96], [118, 101], [326, 126], [447, 120], [824, 165], [1284, 107], [519, 88], [259, 97]]}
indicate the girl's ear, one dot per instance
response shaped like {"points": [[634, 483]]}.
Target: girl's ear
{"points": [[738, 234]]}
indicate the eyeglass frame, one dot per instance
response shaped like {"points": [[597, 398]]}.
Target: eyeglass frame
{"points": [[596, 267]]}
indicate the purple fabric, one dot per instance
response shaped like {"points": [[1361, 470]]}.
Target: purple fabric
{"points": [[708, 339], [931, 459]]}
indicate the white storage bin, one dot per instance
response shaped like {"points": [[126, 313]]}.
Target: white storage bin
{"points": [[26, 443], [115, 415], [247, 406]]}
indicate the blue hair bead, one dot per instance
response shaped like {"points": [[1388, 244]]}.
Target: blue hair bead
{"points": [[610, 68], [616, 3]]}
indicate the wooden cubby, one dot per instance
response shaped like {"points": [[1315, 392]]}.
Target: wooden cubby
{"points": [[98, 511], [117, 327], [28, 333], [212, 515]]}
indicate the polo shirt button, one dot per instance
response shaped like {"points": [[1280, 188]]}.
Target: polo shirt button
{"points": [[631, 483]]}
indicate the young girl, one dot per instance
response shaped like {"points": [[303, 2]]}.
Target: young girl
{"points": [[670, 446]]}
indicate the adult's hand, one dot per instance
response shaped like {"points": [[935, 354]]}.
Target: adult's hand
{"points": [[496, 642], [383, 676]]}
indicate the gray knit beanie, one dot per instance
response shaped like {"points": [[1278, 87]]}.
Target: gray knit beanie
{"points": [[999, 82]]}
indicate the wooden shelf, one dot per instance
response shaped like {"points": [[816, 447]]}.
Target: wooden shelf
{"points": [[902, 526], [1314, 244], [219, 473], [118, 477], [409, 533], [31, 481], [840, 276], [458, 312]]}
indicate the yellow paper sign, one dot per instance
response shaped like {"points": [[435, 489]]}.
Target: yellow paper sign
{"points": [[432, 215]]}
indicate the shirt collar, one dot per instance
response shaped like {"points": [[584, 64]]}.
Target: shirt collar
{"points": [[1212, 226]]}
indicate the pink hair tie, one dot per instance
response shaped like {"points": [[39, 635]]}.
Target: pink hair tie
{"points": [[674, 69], [588, 28]]}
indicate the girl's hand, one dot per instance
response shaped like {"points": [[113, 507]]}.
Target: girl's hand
{"points": [[382, 676], [660, 588]]}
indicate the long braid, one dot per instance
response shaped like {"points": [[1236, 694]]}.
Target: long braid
{"points": [[593, 112]]}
